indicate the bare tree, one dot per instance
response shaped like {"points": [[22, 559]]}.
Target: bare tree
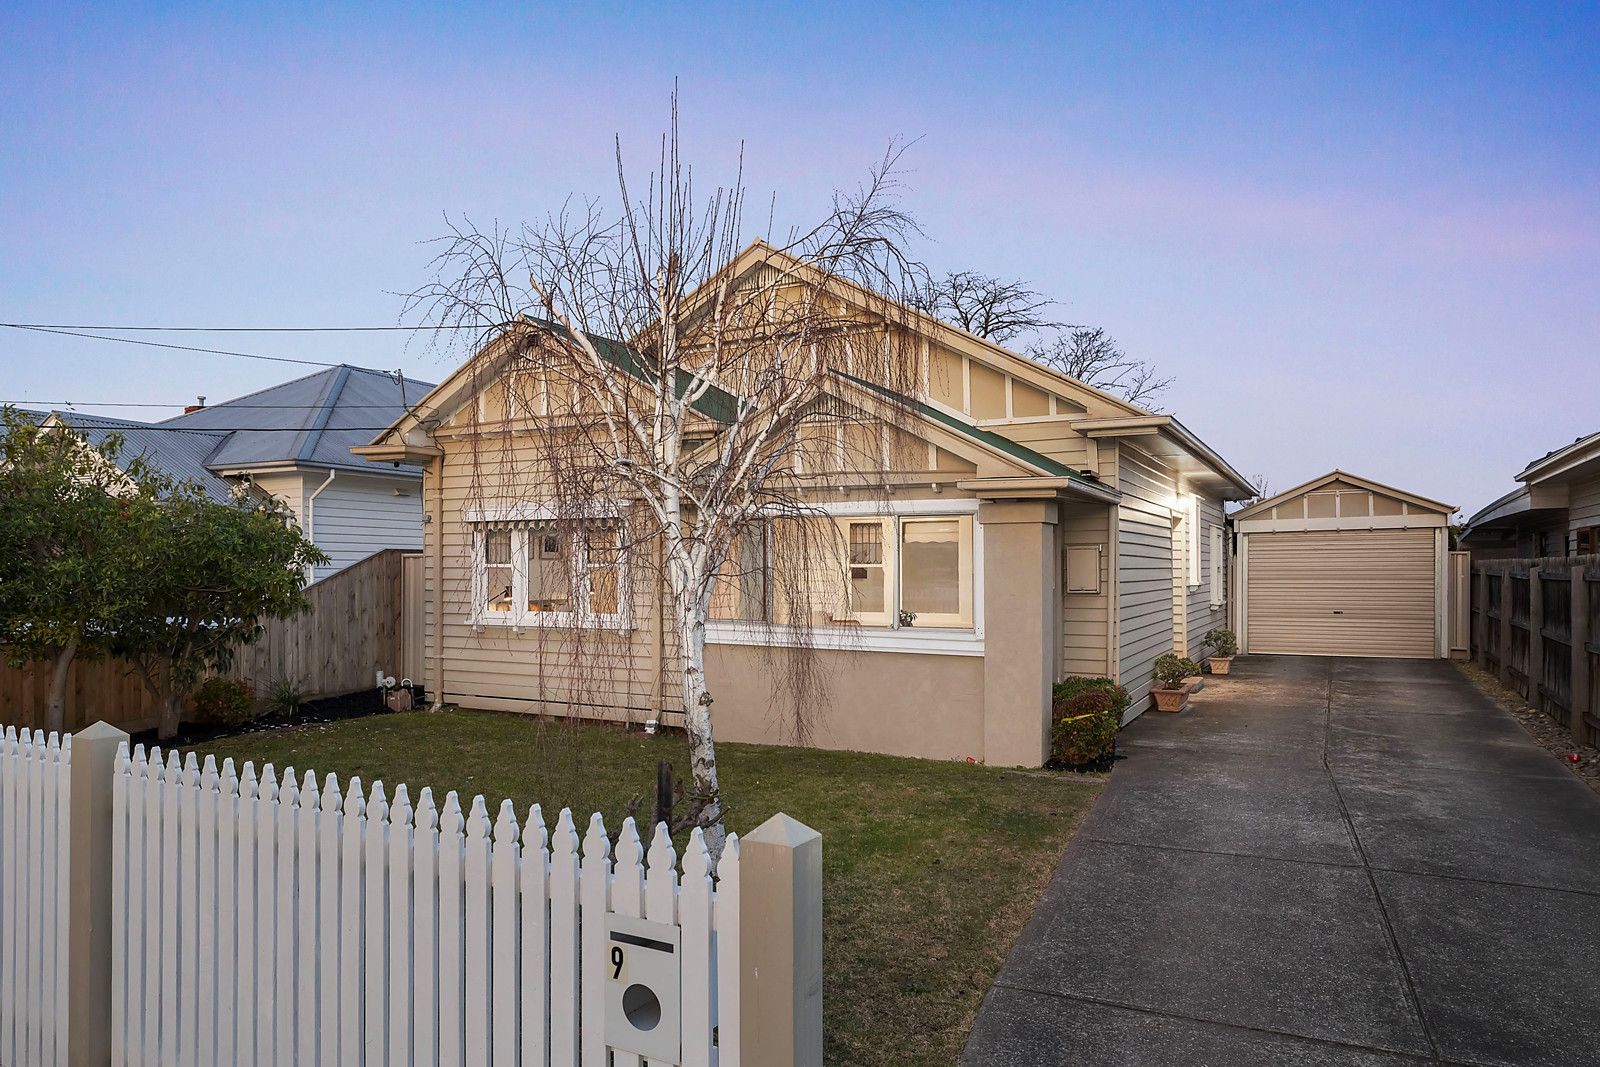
{"points": [[1001, 311], [989, 307], [676, 382], [1093, 357]]}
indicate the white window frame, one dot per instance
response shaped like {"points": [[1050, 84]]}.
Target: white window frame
{"points": [[519, 617], [1219, 550], [1191, 522], [917, 639]]}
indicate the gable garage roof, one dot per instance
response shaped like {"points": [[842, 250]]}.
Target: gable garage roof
{"points": [[311, 421], [1358, 482]]}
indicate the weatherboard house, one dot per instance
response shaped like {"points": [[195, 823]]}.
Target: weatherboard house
{"points": [[293, 441], [1038, 527]]}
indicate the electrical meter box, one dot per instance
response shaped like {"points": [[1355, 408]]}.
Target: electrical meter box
{"points": [[643, 988]]}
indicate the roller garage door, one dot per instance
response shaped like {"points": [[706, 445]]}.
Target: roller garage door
{"points": [[1341, 592]]}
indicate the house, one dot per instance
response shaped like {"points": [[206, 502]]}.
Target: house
{"points": [[292, 440], [1554, 512], [1043, 528], [1344, 566]]}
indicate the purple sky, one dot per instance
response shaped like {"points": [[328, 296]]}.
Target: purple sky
{"points": [[1362, 239]]}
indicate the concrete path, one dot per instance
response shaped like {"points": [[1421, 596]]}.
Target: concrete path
{"points": [[1323, 862]]}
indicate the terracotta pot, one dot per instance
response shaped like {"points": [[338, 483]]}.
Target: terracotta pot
{"points": [[1171, 699], [1220, 664], [1194, 683]]}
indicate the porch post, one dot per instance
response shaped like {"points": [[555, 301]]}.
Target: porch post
{"points": [[1021, 590]]}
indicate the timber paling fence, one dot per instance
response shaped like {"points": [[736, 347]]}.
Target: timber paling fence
{"points": [[163, 911], [1536, 625], [355, 624]]}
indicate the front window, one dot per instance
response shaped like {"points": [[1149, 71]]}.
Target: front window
{"points": [[867, 571], [533, 573]]}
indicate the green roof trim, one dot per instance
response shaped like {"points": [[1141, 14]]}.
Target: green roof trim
{"points": [[716, 404], [998, 442]]}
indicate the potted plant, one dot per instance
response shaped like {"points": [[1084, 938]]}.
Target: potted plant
{"points": [[1170, 691], [1225, 645], [1194, 679]]}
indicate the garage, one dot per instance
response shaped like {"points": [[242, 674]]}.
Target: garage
{"points": [[1343, 566]]}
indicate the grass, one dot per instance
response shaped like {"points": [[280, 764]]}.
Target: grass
{"points": [[930, 869]]}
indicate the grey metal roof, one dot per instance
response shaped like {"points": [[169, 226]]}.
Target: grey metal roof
{"points": [[178, 455], [313, 421]]}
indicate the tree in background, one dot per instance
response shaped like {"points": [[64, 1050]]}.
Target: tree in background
{"points": [[1094, 358], [211, 574], [1001, 311], [67, 573]]}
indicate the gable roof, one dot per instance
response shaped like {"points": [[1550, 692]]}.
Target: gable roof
{"points": [[310, 421], [1353, 479], [1582, 451], [179, 455]]}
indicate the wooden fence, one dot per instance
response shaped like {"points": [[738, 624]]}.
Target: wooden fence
{"points": [[1536, 625], [356, 624], [163, 912], [35, 799]]}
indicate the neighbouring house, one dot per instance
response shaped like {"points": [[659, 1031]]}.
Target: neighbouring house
{"points": [[1065, 530], [292, 441], [1344, 566], [1554, 512]]}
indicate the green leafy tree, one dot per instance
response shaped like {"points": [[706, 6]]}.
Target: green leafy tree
{"points": [[66, 569], [214, 573]]}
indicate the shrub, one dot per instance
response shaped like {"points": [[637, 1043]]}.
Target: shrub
{"points": [[224, 702], [1070, 687], [1223, 640], [1191, 668], [1084, 737], [284, 696], [1087, 714], [1171, 669]]}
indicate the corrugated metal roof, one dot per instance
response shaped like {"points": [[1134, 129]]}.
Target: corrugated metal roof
{"points": [[178, 455], [314, 420]]}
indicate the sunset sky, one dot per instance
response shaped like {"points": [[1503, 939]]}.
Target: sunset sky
{"points": [[1365, 238]]}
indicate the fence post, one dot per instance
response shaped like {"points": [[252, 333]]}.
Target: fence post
{"points": [[89, 897], [1535, 637], [1505, 628], [1580, 656], [780, 932]]}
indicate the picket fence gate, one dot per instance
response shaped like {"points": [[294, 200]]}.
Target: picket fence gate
{"points": [[158, 911], [35, 806]]}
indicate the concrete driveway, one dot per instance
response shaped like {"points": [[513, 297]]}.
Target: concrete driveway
{"points": [[1323, 862]]}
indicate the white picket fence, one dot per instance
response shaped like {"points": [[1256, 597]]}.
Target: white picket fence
{"points": [[280, 920], [35, 806]]}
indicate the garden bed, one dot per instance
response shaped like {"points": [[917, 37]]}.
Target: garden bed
{"points": [[931, 869], [357, 705]]}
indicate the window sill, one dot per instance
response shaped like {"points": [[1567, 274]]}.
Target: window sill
{"points": [[548, 620], [912, 640]]}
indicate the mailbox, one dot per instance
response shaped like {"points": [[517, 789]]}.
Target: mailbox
{"points": [[643, 995]]}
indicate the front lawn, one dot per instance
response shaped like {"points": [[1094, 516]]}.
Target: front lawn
{"points": [[930, 869]]}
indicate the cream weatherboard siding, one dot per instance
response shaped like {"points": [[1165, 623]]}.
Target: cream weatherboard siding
{"points": [[1144, 570], [1086, 617], [1583, 507], [356, 516], [1342, 593]]}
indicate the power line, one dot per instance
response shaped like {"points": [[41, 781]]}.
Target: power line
{"points": [[164, 344], [229, 329], [231, 405]]}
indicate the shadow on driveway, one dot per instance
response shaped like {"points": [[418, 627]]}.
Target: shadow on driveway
{"points": [[1323, 862]]}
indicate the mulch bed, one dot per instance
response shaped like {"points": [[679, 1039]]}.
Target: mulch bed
{"points": [[329, 709], [1549, 734]]}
